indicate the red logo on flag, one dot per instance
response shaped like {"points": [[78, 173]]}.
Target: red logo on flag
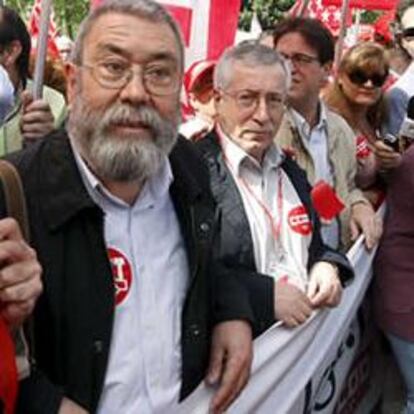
{"points": [[299, 222], [330, 16], [122, 274]]}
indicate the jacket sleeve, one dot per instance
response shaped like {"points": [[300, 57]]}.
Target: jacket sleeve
{"points": [[250, 296], [320, 252], [37, 395]]}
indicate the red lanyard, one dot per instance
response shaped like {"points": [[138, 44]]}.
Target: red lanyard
{"points": [[275, 225]]}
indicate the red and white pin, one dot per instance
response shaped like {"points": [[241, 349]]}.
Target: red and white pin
{"points": [[122, 274], [299, 222]]}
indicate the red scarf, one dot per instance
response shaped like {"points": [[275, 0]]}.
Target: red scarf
{"points": [[8, 370]]}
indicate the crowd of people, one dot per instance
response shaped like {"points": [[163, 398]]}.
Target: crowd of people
{"points": [[167, 232]]}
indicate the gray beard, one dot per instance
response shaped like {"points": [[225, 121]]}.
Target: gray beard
{"points": [[116, 158]]}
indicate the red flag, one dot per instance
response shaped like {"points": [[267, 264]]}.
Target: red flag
{"points": [[8, 370], [330, 16], [208, 26], [365, 4], [383, 25], [326, 202], [34, 29]]}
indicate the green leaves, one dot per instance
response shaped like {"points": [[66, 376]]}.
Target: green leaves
{"points": [[268, 11]]}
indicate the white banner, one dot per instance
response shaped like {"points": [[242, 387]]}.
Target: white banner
{"points": [[304, 370]]}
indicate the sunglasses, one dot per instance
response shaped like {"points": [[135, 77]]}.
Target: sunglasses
{"points": [[359, 77], [408, 32]]}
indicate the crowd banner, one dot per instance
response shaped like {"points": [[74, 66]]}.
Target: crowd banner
{"points": [[41, 49], [365, 4], [313, 368]]}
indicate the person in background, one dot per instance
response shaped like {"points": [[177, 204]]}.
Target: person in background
{"points": [[403, 89], [65, 46], [198, 87], [135, 310], [268, 225], [357, 95], [394, 272], [321, 141], [399, 61], [29, 119]]}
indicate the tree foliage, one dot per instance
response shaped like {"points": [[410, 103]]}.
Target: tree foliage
{"points": [[268, 11], [68, 13], [271, 11]]}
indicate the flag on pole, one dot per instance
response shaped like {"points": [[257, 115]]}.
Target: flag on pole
{"points": [[365, 4], [34, 29], [330, 16], [208, 26]]}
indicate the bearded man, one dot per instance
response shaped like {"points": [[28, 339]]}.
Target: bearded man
{"points": [[123, 223]]}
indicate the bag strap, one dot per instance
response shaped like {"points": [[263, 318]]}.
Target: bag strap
{"points": [[14, 195]]}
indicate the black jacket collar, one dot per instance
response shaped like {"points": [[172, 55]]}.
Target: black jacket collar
{"points": [[61, 191]]}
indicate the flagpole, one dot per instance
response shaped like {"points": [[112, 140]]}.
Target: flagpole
{"points": [[303, 8], [42, 41], [341, 37]]}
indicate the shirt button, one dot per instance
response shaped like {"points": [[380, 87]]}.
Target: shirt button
{"points": [[204, 227], [98, 346], [195, 330]]}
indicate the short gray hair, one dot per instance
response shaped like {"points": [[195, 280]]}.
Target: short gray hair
{"points": [[249, 53], [146, 9]]}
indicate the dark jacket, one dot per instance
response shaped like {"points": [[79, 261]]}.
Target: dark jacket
{"points": [[236, 243], [73, 318]]}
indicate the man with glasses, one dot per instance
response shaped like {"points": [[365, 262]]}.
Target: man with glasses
{"points": [[134, 305], [268, 225], [321, 141]]}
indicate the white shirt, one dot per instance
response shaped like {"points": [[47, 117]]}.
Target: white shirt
{"points": [[288, 255], [316, 142], [150, 268]]}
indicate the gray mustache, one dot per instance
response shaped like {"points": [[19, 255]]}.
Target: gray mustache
{"points": [[122, 114]]}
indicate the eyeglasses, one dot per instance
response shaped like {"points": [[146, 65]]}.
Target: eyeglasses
{"points": [[248, 100], [300, 59], [159, 79], [408, 33], [359, 77]]}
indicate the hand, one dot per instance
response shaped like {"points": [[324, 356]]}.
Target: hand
{"points": [[68, 406], [324, 287], [20, 282], [37, 120], [292, 306], [386, 157], [363, 219], [230, 362], [290, 151]]}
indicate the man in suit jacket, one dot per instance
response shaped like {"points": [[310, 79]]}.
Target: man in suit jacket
{"points": [[269, 227]]}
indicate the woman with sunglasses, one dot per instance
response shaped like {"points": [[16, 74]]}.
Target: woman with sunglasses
{"points": [[357, 95]]}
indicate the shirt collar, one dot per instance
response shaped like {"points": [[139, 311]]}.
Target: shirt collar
{"points": [[238, 158], [154, 188], [303, 125]]}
